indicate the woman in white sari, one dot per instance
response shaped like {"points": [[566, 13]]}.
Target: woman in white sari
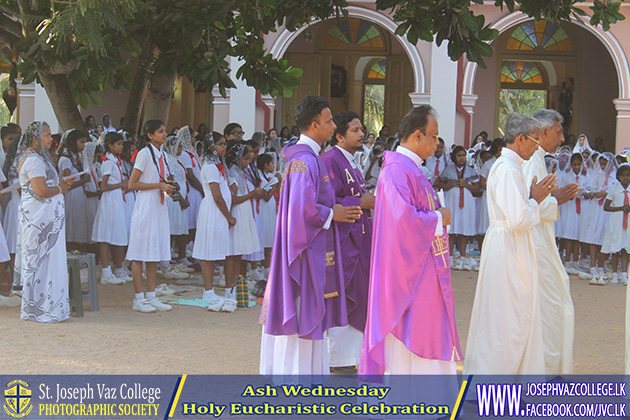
{"points": [[42, 236]]}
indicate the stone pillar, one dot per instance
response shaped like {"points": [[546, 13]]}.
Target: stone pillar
{"points": [[622, 105], [271, 104], [418, 98]]}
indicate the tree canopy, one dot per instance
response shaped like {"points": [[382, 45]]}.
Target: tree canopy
{"points": [[77, 48]]}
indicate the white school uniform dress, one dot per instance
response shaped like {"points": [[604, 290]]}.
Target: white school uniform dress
{"points": [[595, 220], [268, 214], [150, 228], [11, 220], [436, 166], [616, 238], [110, 225], [194, 197], [78, 228], [463, 220], [4, 250], [244, 235], [177, 216], [92, 203], [130, 196], [482, 202], [260, 254], [572, 212], [212, 236]]}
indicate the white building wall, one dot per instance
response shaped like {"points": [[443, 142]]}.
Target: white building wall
{"points": [[242, 103], [444, 91]]}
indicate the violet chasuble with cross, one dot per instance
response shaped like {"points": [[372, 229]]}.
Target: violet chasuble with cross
{"points": [[305, 293], [410, 281]]}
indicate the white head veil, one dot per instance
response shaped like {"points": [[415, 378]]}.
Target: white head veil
{"points": [[34, 134]]}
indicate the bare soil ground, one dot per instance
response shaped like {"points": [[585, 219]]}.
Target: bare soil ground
{"points": [[117, 340]]}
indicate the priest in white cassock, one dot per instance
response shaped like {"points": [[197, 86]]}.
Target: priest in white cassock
{"points": [[556, 305], [505, 334]]}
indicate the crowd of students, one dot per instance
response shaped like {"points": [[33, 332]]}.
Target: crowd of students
{"points": [[219, 195]]}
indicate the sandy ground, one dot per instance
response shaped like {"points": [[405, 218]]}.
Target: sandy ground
{"points": [[117, 340]]}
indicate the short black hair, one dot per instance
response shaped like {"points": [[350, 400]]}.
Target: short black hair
{"points": [[8, 129], [622, 168], [496, 145], [253, 144], [230, 127], [262, 160], [342, 120], [309, 108], [416, 119], [441, 140]]}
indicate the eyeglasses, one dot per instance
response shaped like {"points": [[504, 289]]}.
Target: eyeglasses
{"points": [[435, 136], [533, 139], [237, 133]]}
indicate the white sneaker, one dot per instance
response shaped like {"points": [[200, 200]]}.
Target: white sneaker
{"points": [[229, 305], [585, 276], [615, 279], [458, 265], [601, 281], [183, 268], [127, 271], [125, 277], [216, 304], [111, 279], [594, 281], [142, 306], [173, 274], [467, 266], [474, 263], [571, 270], [159, 305]]}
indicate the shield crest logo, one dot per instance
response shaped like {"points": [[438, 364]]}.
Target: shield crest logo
{"points": [[17, 398]]}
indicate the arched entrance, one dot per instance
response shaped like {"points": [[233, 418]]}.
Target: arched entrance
{"points": [[581, 70], [357, 63]]}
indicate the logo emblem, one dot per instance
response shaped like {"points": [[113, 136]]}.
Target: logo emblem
{"points": [[17, 397]]}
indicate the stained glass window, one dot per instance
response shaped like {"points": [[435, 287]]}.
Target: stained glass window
{"points": [[542, 34], [377, 71], [354, 31], [520, 71]]}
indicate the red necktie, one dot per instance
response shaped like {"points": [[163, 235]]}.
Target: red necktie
{"points": [[119, 164], [578, 208], [460, 173], [626, 201], [436, 172], [162, 177]]}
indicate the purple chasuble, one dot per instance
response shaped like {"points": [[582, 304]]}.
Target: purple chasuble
{"points": [[356, 238], [410, 280], [305, 262]]}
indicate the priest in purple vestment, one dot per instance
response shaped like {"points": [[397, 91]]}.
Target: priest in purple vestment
{"points": [[410, 325], [305, 294], [344, 343]]}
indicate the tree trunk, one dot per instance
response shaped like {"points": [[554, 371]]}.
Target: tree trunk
{"points": [[138, 92], [62, 101], [159, 97]]}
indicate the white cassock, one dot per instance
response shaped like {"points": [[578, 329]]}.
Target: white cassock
{"points": [[556, 305], [505, 334]]}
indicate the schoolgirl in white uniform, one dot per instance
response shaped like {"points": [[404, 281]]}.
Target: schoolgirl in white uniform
{"points": [[215, 220], [254, 181], [78, 229], [177, 209], [460, 181], [617, 238], [244, 235], [573, 211], [150, 230], [110, 229], [192, 165], [267, 164]]}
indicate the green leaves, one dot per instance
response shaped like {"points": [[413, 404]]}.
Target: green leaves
{"points": [[466, 33]]}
